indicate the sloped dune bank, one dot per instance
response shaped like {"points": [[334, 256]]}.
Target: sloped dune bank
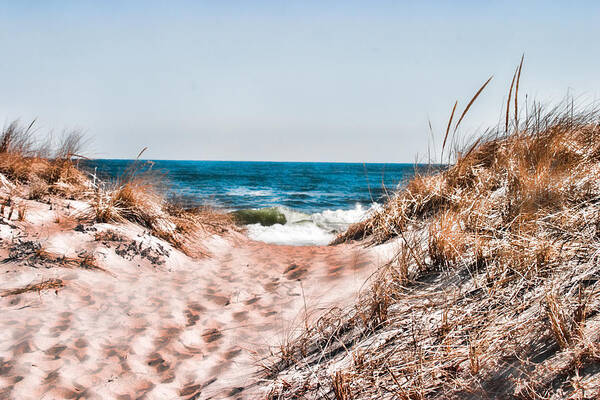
{"points": [[99, 310], [495, 290]]}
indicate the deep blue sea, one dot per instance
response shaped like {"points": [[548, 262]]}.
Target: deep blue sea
{"points": [[317, 199]]}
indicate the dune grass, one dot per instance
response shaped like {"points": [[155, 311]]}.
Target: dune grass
{"points": [[36, 169], [49, 284], [494, 290], [45, 168], [139, 195]]}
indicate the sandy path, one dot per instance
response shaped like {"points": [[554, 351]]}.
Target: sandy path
{"points": [[157, 324]]}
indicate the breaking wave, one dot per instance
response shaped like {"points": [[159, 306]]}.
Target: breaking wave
{"points": [[282, 225]]}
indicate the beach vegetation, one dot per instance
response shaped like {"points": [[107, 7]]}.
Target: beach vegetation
{"points": [[494, 289], [139, 195], [35, 169], [38, 164]]}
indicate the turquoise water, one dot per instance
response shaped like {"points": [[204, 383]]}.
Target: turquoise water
{"points": [[317, 199]]}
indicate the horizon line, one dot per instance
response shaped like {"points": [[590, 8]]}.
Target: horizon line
{"points": [[266, 161]]}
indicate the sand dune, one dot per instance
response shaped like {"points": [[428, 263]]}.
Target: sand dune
{"points": [[125, 315]]}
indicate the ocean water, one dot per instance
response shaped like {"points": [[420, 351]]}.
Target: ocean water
{"points": [[282, 202]]}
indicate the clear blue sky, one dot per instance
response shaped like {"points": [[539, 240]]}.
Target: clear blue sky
{"points": [[283, 80]]}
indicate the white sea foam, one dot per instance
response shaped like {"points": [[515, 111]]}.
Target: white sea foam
{"points": [[303, 234], [308, 229], [244, 191]]}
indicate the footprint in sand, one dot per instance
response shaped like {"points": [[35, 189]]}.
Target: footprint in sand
{"points": [[190, 391], [212, 335], [294, 272], [240, 316]]}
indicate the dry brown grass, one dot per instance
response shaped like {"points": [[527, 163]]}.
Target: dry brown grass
{"points": [[50, 284], [21, 210], [133, 197], [83, 260], [494, 292], [341, 390], [46, 169], [139, 196], [38, 169]]}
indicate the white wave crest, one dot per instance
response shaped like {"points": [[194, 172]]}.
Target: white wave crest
{"points": [[302, 229], [306, 234], [244, 191]]}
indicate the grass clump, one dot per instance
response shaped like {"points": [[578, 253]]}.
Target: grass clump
{"points": [[139, 196], [49, 284], [135, 197], [36, 169], [494, 289], [44, 167]]}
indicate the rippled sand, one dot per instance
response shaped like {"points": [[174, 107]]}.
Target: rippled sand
{"points": [[149, 321]]}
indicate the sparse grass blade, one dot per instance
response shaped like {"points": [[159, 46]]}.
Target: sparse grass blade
{"points": [[30, 126], [471, 103], [512, 83], [141, 152], [517, 93], [448, 129], [473, 147]]}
